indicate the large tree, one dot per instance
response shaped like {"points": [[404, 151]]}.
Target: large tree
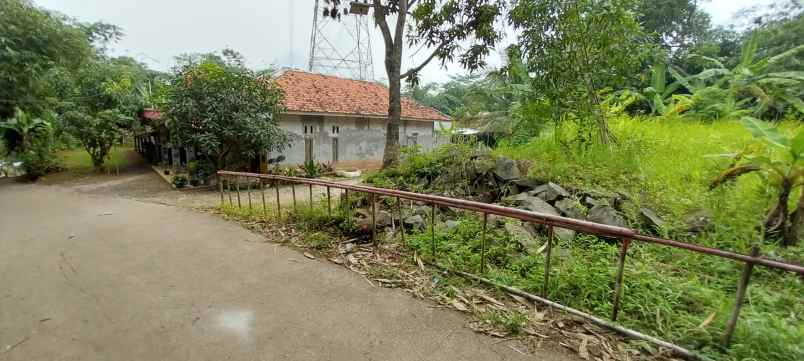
{"points": [[224, 109], [103, 103], [575, 49], [461, 30], [34, 42]]}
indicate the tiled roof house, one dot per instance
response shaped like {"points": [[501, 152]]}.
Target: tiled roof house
{"points": [[333, 119], [329, 119]]}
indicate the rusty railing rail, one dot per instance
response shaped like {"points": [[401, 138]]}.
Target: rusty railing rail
{"points": [[625, 235]]}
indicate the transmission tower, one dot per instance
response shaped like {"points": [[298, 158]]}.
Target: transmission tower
{"points": [[340, 43]]}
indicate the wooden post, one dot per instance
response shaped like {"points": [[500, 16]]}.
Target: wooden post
{"points": [[483, 244], [548, 251], [310, 188], [618, 282], [731, 324]]}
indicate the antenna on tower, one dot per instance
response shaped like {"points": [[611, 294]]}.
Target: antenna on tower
{"points": [[340, 43]]}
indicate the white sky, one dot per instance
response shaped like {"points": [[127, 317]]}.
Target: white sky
{"points": [[266, 32]]}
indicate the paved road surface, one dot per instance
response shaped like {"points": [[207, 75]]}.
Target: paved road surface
{"points": [[99, 277]]}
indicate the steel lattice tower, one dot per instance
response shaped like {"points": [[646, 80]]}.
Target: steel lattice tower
{"points": [[340, 44]]}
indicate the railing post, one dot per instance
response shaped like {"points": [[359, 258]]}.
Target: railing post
{"points": [[293, 190], [278, 204], [329, 203], [432, 230], [373, 219], [401, 221], [731, 324], [310, 188], [248, 191], [483, 244], [262, 193], [220, 187], [618, 282], [345, 202], [237, 187], [547, 253], [229, 186]]}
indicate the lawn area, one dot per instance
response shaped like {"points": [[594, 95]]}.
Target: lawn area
{"points": [[78, 161]]}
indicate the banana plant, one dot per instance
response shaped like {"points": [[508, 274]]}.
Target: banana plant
{"points": [[780, 160], [21, 130], [749, 83]]}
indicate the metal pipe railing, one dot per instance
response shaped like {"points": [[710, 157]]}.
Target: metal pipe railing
{"points": [[625, 235]]}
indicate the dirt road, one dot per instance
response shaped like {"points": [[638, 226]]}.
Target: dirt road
{"points": [[99, 277]]}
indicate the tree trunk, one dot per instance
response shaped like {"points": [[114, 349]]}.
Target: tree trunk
{"points": [[792, 233], [393, 65], [392, 149], [600, 115], [776, 221]]}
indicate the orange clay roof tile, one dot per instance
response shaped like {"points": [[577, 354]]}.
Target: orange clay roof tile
{"points": [[317, 93]]}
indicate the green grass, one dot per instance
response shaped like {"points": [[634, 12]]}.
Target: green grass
{"points": [[78, 160], [667, 165]]}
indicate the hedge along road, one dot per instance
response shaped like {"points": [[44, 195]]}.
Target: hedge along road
{"points": [[98, 277]]}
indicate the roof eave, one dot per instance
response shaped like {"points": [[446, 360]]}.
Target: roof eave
{"points": [[358, 115]]}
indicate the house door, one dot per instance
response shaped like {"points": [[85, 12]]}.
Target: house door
{"points": [[334, 150], [308, 149]]}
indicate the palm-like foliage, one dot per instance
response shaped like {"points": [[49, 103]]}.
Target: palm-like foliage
{"points": [[20, 131], [782, 167], [750, 87]]}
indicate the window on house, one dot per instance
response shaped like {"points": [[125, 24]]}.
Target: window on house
{"points": [[336, 129]]}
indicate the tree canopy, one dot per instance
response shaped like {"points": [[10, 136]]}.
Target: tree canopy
{"points": [[225, 110], [34, 42]]}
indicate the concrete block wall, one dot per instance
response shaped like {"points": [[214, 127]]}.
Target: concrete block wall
{"points": [[359, 139]]}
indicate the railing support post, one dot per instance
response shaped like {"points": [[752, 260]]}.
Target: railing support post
{"points": [[401, 221], [248, 191], [220, 187], [731, 324], [278, 204], [373, 219], [229, 186], [483, 244], [547, 253], [293, 190], [310, 188], [262, 193], [432, 230], [618, 282], [237, 187], [329, 203]]}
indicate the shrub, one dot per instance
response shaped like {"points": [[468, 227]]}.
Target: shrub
{"points": [[179, 181]]}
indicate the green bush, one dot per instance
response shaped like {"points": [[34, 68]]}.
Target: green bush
{"points": [[38, 160], [179, 181]]}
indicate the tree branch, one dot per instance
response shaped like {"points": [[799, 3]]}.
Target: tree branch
{"points": [[413, 71], [400, 23], [379, 19]]}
